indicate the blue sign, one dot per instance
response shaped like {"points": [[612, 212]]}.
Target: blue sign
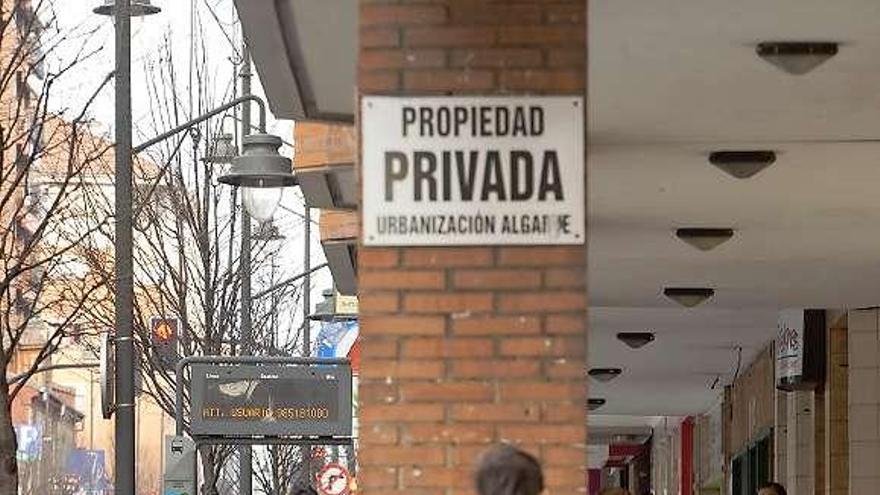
{"points": [[336, 338], [178, 488], [30, 442], [88, 469]]}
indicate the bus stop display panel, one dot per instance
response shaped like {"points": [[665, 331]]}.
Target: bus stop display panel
{"points": [[271, 400]]}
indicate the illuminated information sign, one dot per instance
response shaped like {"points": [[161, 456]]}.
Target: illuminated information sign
{"points": [[271, 400]]}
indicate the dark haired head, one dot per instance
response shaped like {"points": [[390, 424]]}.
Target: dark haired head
{"points": [[505, 470], [776, 487]]}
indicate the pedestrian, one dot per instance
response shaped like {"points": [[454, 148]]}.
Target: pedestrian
{"points": [[772, 489], [506, 470]]}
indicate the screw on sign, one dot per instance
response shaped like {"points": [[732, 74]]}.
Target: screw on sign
{"points": [[333, 479]]}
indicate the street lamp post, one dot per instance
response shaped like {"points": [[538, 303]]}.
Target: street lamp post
{"points": [[245, 453], [122, 11], [260, 167], [260, 172]]}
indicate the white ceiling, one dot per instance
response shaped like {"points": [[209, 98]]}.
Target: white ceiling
{"points": [[686, 70], [672, 80]]}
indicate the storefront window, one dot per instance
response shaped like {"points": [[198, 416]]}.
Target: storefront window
{"points": [[753, 467]]}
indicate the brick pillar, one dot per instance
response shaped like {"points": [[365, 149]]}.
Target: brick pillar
{"points": [[463, 347]]}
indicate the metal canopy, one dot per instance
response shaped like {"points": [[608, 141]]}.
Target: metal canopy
{"points": [[329, 187], [342, 258], [306, 54]]}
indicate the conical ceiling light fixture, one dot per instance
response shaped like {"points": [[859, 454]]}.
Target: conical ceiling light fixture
{"points": [[139, 8], [704, 239], [742, 164], [636, 340], [604, 375], [688, 296], [796, 57], [594, 403]]}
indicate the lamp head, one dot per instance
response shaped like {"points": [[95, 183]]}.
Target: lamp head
{"points": [[261, 202], [223, 151], [139, 8], [260, 165]]}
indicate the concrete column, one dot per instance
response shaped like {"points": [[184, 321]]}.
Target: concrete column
{"points": [[820, 451], [811, 427], [666, 457], [466, 347], [864, 401], [800, 443], [780, 436], [836, 411]]}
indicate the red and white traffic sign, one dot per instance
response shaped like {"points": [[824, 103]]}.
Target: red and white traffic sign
{"points": [[333, 479]]}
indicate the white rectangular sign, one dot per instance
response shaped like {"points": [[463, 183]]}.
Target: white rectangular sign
{"points": [[473, 170], [790, 344]]}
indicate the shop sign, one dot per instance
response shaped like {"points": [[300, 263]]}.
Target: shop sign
{"points": [[789, 344], [473, 170], [346, 305], [800, 349]]}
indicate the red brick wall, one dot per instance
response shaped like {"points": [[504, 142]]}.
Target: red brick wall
{"points": [[464, 347]]}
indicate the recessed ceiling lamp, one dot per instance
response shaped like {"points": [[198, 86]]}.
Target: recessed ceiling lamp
{"points": [[704, 239], [604, 374], [742, 164], [688, 296], [636, 340], [595, 403], [796, 57]]}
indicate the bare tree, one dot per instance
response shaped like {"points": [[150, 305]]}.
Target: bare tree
{"points": [[278, 469], [47, 223]]}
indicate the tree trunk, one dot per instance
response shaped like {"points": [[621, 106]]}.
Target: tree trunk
{"points": [[8, 445]]}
